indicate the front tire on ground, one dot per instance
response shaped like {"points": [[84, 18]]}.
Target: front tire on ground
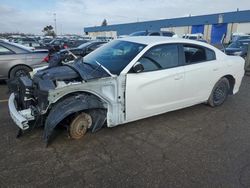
{"points": [[219, 93], [79, 125]]}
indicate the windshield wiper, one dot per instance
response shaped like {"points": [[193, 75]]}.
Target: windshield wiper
{"points": [[75, 57], [104, 68], [95, 68]]}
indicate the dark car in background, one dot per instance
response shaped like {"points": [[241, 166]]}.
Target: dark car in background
{"points": [[240, 37], [153, 33], [82, 50], [46, 41], [238, 48], [17, 60], [66, 43]]}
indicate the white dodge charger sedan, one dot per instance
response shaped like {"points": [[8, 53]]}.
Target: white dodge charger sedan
{"points": [[123, 81]]}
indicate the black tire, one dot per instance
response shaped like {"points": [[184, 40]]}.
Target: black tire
{"points": [[79, 125], [219, 93], [19, 70]]}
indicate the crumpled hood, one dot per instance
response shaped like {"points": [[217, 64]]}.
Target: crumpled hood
{"points": [[72, 71], [59, 73], [88, 72]]}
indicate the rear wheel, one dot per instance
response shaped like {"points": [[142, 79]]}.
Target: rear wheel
{"points": [[79, 125], [219, 93], [19, 71]]}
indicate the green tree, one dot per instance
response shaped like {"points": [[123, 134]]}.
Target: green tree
{"points": [[49, 31], [104, 22]]}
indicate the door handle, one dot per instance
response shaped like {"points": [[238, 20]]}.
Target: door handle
{"points": [[215, 69], [178, 77]]}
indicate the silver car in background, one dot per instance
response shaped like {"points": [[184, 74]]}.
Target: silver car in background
{"points": [[17, 60]]}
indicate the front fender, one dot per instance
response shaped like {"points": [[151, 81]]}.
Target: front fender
{"points": [[68, 106]]}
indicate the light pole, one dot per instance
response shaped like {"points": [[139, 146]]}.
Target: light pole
{"points": [[55, 23]]}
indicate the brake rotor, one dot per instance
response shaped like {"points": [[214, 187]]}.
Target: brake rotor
{"points": [[79, 125]]}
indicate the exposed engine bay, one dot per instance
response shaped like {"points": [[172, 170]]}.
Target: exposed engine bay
{"points": [[56, 94]]}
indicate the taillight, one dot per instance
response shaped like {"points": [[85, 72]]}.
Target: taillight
{"points": [[46, 59], [65, 46]]}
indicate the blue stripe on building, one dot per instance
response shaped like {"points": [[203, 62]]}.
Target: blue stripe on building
{"points": [[124, 29]]}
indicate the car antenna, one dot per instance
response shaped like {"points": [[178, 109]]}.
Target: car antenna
{"points": [[75, 57]]}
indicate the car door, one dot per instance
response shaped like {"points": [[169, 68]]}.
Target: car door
{"points": [[7, 56], [158, 88], [202, 71]]}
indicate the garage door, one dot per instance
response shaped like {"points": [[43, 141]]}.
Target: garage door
{"points": [[198, 29], [218, 30]]}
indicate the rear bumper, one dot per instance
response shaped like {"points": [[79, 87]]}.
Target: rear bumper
{"points": [[21, 118]]}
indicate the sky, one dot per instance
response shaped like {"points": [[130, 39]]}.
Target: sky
{"points": [[31, 16]]}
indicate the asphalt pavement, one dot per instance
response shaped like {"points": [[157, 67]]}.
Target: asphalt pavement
{"points": [[194, 147]]}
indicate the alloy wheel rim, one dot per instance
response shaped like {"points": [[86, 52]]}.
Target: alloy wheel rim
{"points": [[220, 93]]}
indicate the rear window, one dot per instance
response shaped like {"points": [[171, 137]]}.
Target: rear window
{"points": [[210, 54], [197, 54]]}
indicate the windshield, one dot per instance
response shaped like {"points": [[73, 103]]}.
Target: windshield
{"points": [[115, 55]]}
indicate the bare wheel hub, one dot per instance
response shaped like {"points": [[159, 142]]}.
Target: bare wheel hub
{"points": [[80, 125]]}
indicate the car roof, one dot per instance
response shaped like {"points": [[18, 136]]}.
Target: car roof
{"points": [[17, 45], [147, 40], [155, 40]]}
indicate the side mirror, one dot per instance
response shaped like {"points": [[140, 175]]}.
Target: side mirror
{"points": [[138, 67]]}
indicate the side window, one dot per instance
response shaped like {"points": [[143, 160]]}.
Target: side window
{"points": [[155, 34], [160, 57], [197, 54], [5, 51]]}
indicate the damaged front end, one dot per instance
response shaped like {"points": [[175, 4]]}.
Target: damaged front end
{"points": [[29, 103]]}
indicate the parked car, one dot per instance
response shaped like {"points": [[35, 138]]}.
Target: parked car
{"points": [[104, 38], [235, 38], [238, 48], [17, 60], [153, 33], [66, 43], [123, 81], [196, 36], [81, 50], [46, 41], [30, 42]]}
